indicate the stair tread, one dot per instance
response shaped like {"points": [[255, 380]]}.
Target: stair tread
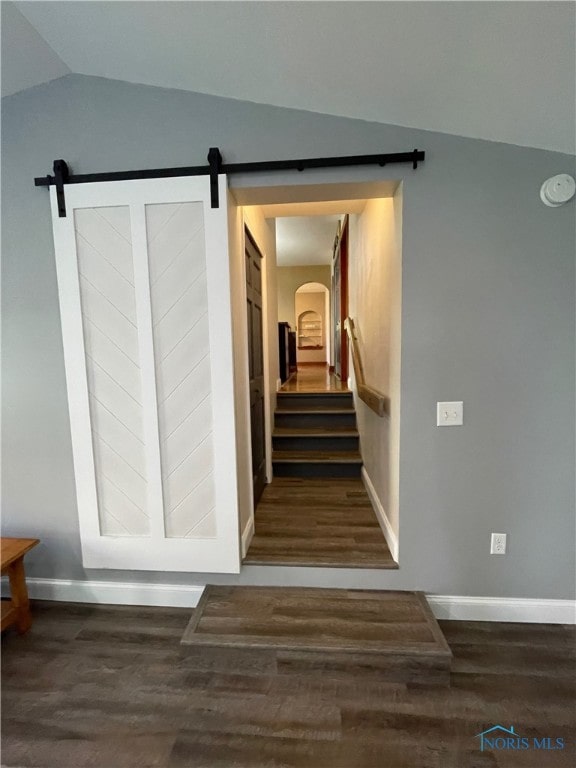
{"points": [[312, 409], [318, 457], [314, 619], [345, 394], [315, 432]]}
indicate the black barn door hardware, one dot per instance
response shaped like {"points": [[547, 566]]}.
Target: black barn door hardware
{"points": [[215, 162], [62, 175]]}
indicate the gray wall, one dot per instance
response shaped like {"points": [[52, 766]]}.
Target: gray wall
{"points": [[488, 317]]}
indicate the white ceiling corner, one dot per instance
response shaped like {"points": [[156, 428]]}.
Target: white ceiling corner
{"points": [[502, 71]]}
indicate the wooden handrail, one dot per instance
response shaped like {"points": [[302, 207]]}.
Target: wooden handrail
{"points": [[375, 400]]}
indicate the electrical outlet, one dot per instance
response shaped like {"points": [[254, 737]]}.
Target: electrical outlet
{"points": [[498, 544]]}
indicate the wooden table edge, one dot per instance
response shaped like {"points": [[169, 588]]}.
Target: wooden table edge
{"points": [[30, 544]]}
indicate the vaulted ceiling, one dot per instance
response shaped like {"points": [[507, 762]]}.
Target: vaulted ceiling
{"points": [[503, 71]]}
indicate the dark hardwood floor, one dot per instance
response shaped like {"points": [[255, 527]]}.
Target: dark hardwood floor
{"points": [[317, 522], [106, 687], [380, 635], [314, 379]]}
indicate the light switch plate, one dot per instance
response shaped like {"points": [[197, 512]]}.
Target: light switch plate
{"points": [[450, 414]]}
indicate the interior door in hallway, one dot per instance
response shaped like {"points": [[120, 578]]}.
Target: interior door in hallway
{"points": [[340, 303], [255, 363]]}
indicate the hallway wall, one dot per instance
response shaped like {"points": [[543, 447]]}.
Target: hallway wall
{"points": [[375, 301], [262, 231], [487, 317]]}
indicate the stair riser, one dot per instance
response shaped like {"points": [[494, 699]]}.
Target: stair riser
{"points": [[314, 419], [312, 469], [402, 668], [300, 443], [315, 401]]}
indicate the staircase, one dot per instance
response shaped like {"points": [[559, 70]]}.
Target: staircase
{"points": [[315, 435], [309, 632]]}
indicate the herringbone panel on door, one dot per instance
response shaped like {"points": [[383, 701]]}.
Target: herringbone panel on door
{"points": [[106, 273], [178, 290]]}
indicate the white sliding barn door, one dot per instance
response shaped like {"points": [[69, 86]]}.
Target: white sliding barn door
{"points": [[144, 285]]}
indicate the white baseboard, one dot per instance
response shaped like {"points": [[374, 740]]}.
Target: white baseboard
{"points": [[112, 593], [509, 609], [389, 535], [278, 385], [456, 607], [247, 536]]}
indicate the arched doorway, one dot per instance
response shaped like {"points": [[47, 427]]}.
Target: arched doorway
{"points": [[312, 313]]}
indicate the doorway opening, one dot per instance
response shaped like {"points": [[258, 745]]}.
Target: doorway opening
{"points": [[331, 462], [312, 313], [254, 303], [340, 301]]}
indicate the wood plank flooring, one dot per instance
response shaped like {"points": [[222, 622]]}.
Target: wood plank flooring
{"points": [[106, 687], [370, 621], [388, 635], [314, 379], [318, 522]]}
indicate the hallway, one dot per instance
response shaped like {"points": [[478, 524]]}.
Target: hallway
{"points": [[310, 521], [314, 378], [304, 518]]}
